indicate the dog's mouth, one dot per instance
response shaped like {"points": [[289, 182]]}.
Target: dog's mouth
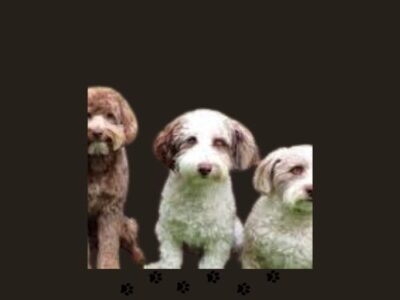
{"points": [[105, 144], [98, 148], [199, 179], [214, 176]]}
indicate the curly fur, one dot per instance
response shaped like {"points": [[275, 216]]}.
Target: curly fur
{"points": [[278, 231], [111, 126], [198, 210]]}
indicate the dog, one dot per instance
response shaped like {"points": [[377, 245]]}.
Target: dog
{"points": [[198, 208], [111, 126], [278, 231]]}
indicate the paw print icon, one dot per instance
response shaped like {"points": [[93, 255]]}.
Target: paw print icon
{"points": [[273, 276], [213, 277], [243, 288], [126, 289], [155, 277], [183, 287]]}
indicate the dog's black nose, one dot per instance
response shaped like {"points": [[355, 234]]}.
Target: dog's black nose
{"points": [[309, 191], [204, 169]]}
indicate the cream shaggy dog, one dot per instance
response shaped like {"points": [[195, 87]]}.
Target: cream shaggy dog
{"points": [[278, 231], [198, 207]]}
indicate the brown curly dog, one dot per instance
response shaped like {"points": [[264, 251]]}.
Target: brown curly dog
{"points": [[111, 126]]}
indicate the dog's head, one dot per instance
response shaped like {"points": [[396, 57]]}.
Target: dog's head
{"points": [[206, 144], [288, 174], [111, 122]]}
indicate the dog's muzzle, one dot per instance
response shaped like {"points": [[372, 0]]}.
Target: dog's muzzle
{"points": [[99, 143], [204, 169], [309, 192]]}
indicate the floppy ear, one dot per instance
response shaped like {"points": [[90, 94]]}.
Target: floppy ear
{"points": [[244, 148], [129, 120], [265, 172], [166, 145]]}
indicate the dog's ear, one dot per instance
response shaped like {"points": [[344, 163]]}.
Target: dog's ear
{"points": [[264, 175], [129, 120], [244, 148], [166, 145]]}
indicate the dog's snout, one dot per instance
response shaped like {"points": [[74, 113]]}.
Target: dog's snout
{"points": [[204, 169], [309, 191], [97, 133]]}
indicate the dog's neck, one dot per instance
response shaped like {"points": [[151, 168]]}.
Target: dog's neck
{"points": [[101, 164]]}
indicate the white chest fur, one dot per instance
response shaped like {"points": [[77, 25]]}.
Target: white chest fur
{"points": [[278, 239], [198, 214]]}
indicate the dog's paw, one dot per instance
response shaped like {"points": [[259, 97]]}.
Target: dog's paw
{"points": [[138, 256], [162, 265], [155, 265]]}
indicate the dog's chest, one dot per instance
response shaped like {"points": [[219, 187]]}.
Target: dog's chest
{"points": [[105, 193], [195, 221], [286, 247], [97, 197]]}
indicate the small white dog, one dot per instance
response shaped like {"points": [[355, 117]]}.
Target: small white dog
{"points": [[278, 231], [198, 207]]}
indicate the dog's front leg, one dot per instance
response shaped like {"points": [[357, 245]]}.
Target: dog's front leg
{"points": [[171, 254], [108, 241], [249, 260], [216, 254], [128, 235]]}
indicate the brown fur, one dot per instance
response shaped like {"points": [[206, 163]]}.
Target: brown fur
{"points": [[244, 148], [104, 100], [128, 232], [108, 177], [166, 145]]}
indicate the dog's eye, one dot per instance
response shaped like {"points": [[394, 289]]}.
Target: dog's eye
{"points": [[220, 143], [111, 117], [89, 115], [191, 140], [297, 170]]}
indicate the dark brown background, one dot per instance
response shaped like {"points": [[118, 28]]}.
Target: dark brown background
{"points": [[293, 74]]}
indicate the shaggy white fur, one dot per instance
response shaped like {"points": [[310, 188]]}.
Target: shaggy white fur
{"points": [[278, 231], [198, 206]]}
